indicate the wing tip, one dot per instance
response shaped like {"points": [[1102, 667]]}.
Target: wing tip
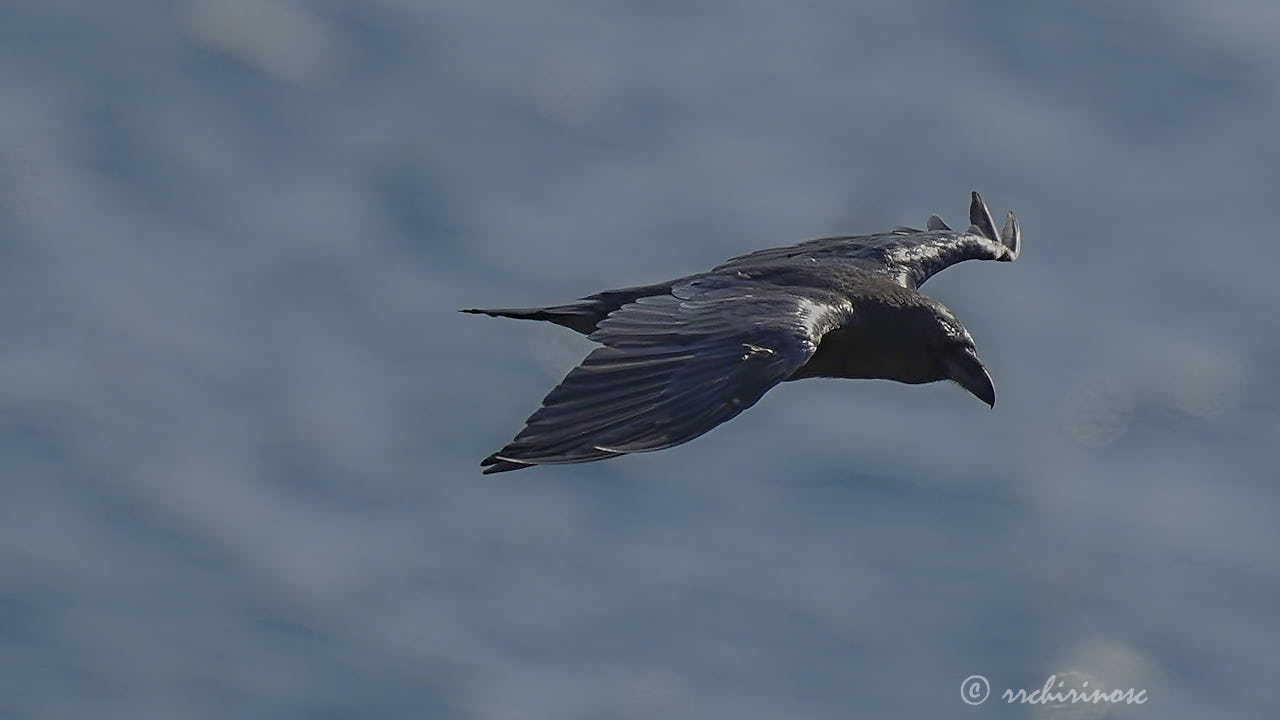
{"points": [[496, 464], [1010, 235], [980, 217]]}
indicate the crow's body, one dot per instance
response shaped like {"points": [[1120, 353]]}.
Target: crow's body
{"points": [[681, 357]]}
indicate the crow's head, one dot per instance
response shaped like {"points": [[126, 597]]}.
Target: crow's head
{"points": [[948, 351], [911, 338]]}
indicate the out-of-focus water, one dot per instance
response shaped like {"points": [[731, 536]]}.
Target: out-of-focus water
{"points": [[241, 418]]}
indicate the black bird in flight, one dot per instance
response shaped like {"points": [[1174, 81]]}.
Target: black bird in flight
{"points": [[680, 357]]}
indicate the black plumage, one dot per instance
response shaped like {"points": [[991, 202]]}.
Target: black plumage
{"points": [[680, 357]]}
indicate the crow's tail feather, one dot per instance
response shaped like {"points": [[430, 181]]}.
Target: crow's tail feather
{"points": [[581, 317]]}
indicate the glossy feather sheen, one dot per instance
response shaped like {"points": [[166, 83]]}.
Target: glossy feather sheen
{"points": [[673, 368], [680, 358]]}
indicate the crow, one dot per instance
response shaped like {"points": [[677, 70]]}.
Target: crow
{"points": [[680, 357]]}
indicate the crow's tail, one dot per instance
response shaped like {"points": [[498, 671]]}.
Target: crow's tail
{"points": [[580, 317]]}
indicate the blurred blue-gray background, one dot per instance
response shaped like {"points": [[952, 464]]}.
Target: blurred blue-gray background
{"points": [[241, 417]]}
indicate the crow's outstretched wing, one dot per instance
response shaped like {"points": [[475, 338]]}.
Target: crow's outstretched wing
{"points": [[907, 255], [673, 366]]}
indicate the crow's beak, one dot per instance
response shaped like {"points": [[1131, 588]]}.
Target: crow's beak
{"points": [[966, 369]]}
